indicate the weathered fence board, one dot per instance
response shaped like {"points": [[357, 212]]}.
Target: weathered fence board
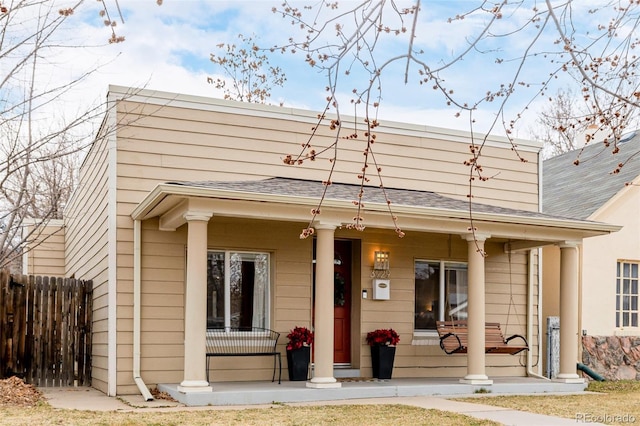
{"points": [[45, 329]]}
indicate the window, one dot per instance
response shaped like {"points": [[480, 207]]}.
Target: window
{"points": [[627, 294], [441, 292], [237, 289]]}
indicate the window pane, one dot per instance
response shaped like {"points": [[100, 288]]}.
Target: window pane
{"points": [[625, 319], [261, 291], [634, 303], [618, 269], [456, 287], [618, 286], [215, 290], [248, 289], [625, 268], [617, 320], [634, 270], [625, 303], [618, 303], [626, 286], [235, 288], [634, 287], [634, 320], [427, 283]]}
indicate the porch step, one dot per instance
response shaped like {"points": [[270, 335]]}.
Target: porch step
{"points": [[341, 371], [346, 372]]}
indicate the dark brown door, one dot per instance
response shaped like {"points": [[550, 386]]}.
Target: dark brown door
{"points": [[342, 302]]}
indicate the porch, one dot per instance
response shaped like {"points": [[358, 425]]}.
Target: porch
{"points": [[250, 393], [233, 217]]}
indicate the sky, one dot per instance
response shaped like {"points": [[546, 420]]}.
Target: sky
{"points": [[168, 48]]}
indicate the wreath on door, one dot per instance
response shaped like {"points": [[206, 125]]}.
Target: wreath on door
{"points": [[338, 290]]}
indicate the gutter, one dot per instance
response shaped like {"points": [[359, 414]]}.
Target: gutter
{"points": [[530, 372], [137, 272]]}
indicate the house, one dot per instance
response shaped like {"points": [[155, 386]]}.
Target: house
{"points": [[608, 308], [178, 193]]}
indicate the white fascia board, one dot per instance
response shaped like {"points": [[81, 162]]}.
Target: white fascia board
{"points": [[112, 252]]}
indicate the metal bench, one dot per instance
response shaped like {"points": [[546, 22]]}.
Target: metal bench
{"points": [[244, 341], [454, 338]]}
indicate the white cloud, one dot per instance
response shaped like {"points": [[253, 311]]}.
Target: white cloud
{"points": [[167, 48]]}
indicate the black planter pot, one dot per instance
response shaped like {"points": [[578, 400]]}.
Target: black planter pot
{"points": [[298, 363], [382, 361]]}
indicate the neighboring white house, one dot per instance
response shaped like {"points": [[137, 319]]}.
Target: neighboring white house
{"points": [[598, 189]]}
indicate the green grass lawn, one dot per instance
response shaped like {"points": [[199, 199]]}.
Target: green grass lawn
{"points": [[278, 415], [605, 402]]}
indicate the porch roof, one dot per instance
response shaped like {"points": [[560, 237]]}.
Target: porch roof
{"points": [[406, 203]]}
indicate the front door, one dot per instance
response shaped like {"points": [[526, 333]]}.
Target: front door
{"points": [[342, 302]]}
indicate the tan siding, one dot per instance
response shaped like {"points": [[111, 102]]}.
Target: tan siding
{"points": [[506, 276], [86, 247], [45, 251], [162, 302], [217, 145]]}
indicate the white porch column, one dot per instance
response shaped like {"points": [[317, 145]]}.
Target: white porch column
{"points": [[568, 313], [476, 374], [323, 324], [195, 309]]}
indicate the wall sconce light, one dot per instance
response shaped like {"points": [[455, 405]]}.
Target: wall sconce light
{"points": [[380, 275], [380, 265]]}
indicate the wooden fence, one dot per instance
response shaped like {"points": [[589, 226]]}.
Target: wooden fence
{"points": [[45, 329]]}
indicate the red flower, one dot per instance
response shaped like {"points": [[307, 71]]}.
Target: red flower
{"points": [[383, 337], [299, 337]]}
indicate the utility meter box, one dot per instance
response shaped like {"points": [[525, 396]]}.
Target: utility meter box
{"points": [[381, 289]]}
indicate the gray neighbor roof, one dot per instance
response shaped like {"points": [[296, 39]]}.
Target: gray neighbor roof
{"points": [[578, 191], [349, 192]]}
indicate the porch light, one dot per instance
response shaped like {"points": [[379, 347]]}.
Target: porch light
{"points": [[381, 264], [380, 275]]}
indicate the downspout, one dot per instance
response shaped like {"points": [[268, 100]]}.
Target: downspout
{"points": [[530, 281], [137, 272]]}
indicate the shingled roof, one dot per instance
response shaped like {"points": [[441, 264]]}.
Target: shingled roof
{"points": [[578, 191], [349, 192]]}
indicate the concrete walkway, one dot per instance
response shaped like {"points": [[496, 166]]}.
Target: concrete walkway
{"points": [[93, 400]]}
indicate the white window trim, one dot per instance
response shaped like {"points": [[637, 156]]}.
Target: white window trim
{"points": [[227, 283], [626, 330], [430, 337]]}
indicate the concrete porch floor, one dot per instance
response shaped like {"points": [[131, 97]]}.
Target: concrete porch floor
{"points": [[249, 393]]}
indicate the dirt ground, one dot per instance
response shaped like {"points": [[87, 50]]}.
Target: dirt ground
{"points": [[16, 393]]}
